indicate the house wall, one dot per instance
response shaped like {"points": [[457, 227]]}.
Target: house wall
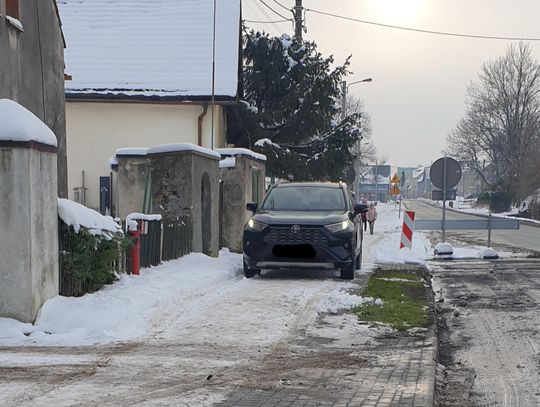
{"points": [[32, 70], [29, 219], [97, 129]]}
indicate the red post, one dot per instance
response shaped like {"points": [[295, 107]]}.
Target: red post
{"points": [[136, 252]]}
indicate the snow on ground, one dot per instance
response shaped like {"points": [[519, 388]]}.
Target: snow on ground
{"points": [[383, 245], [173, 298]]}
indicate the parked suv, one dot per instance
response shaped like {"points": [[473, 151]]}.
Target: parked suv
{"points": [[304, 225]]}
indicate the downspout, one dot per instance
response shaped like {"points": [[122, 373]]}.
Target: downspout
{"points": [[199, 124]]}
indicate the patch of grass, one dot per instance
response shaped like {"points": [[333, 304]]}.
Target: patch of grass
{"points": [[404, 302]]}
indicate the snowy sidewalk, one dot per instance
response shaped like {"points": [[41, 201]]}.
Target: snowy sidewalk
{"points": [[195, 332]]}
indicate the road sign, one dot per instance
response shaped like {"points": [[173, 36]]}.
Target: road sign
{"points": [[445, 173], [395, 179], [395, 190], [437, 195]]}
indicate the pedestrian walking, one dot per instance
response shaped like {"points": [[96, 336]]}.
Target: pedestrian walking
{"points": [[363, 214], [371, 216]]}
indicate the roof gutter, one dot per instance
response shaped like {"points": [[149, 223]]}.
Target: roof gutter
{"points": [[200, 123]]}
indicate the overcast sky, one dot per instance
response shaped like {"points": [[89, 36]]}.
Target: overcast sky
{"points": [[419, 80]]}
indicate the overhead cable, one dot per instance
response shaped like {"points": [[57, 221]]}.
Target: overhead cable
{"points": [[276, 12], [433, 32]]}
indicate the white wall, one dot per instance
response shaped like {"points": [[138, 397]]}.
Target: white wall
{"points": [[96, 129]]}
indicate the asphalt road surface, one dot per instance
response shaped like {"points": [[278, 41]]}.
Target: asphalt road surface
{"points": [[527, 238], [489, 332]]}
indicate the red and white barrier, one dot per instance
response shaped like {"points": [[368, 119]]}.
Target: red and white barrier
{"points": [[407, 230]]}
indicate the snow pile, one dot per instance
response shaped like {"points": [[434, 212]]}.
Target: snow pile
{"points": [[77, 215], [229, 162], [443, 249], [131, 151], [488, 253], [175, 147], [121, 311], [167, 148], [338, 300], [19, 124], [264, 141], [233, 152], [132, 218]]}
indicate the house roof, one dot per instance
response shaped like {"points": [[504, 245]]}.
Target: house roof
{"points": [[159, 50]]}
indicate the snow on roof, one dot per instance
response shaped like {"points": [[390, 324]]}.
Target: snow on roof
{"points": [[229, 162], [233, 152], [77, 215], [113, 161], [19, 124], [167, 148], [155, 48], [175, 147], [131, 151]]}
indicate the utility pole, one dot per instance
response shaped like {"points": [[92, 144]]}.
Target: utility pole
{"points": [[298, 20]]}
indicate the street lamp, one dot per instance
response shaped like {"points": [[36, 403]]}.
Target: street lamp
{"points": [[344, 89]]}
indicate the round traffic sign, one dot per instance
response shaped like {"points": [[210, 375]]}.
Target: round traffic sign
{"points": [[445, 166]]}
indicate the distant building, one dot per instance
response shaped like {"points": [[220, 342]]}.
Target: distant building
{"points": [[405, 174], [420, 183], [374, 183], [32, 66], [142, 75]]}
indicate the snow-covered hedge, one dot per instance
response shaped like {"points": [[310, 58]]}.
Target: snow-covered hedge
{"points": [[92, 248]]}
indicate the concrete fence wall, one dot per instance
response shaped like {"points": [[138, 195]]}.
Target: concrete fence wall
{"points": [[29, 219], [179, 181]]}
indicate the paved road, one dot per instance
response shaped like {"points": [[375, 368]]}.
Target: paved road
{"points": [[526, 238], [490, 339]]}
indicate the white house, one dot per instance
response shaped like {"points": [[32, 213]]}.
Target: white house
{"points": [[142, 75]]}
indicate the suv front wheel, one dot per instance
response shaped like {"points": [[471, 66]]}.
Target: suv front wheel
{"points": [[249, 272]]}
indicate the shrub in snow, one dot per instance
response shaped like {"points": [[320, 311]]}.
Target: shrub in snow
{"points": [[498, 197], [92, 247]]}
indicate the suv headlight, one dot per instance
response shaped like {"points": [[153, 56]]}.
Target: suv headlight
{"points": [[340, 226], [255, 225]]}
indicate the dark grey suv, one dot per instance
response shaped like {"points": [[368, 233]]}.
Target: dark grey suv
{"points": [[305, 225]]}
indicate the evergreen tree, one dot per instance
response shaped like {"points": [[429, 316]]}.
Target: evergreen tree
{"points": [[291, 109]]}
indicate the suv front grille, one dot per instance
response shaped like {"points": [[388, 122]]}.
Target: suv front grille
{"points": [[284, 235]]}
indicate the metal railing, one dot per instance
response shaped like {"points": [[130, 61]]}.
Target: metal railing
{"points": [[177, 236]]}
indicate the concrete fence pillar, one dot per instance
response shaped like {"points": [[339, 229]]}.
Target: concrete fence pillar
{"points": [[28, 213]]}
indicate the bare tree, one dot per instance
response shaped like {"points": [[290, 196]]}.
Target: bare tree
{"points": [[364, 149], [502, 119]]}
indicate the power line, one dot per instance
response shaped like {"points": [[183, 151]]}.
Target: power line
{"points": [[279, 14], [268, 22], [277, 30], [443, 33], [273, 26], [281, 5]]}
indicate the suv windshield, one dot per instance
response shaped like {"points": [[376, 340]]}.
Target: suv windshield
{"points": [[308, 198]]}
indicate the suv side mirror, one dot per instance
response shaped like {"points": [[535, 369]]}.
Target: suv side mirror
{"points": [[252, 206], [359, 208]]}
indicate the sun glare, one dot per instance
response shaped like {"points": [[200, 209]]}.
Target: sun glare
{"points": [[396, 11]]}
